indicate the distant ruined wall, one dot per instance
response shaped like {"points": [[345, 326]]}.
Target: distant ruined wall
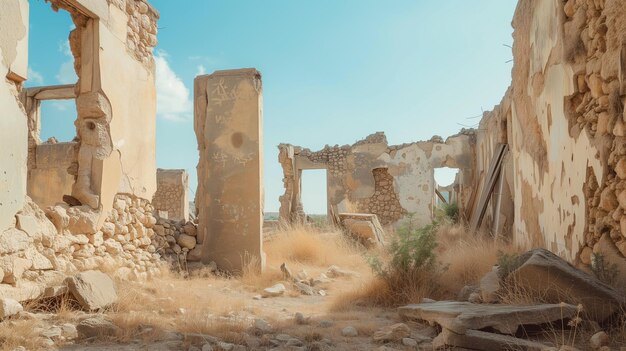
{"points": [[565, 127], [372, 177], [171, 194]]}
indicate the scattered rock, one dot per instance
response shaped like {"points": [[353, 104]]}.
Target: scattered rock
{"points": [[349, 331], [325, 323], [9, 307], [69, 331], [275, 290], [409, 342], [225, 346], [262, 326], [207, 347], [599, 339], [93, 289], [300, 319], [395, 332], [305, 289], [53, 332], [334, 272], [96, 327]]}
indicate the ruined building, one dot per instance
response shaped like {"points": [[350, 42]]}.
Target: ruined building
{"points": [[545, 168], [371, 176], [97, 189]]}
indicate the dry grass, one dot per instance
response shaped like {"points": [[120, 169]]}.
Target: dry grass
{"points": [[392, 291], [467, 257], [464, 259], [307, 245], [20, 333]]}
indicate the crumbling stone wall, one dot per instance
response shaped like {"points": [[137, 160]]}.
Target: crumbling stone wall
{"points": [[171, 194], [566, 127], [110, 169], [371, 176]]}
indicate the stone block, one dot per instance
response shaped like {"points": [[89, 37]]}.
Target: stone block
{"points": [[228, 125], [93, 290]]}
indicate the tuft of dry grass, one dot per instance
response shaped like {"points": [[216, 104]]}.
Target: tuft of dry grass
{"points": [[391, 291], [467, 257], [299, 243], [20, 333]]}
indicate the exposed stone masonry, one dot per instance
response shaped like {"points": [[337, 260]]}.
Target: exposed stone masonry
{"points": [[142, 30], [595, 50], [384, 203]]}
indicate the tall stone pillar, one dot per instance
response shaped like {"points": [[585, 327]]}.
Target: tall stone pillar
{"points": [[228, 124]]}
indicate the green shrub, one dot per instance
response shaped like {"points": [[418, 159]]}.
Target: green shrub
{"points": [[451, 211], [411, 251], [506, 263]]}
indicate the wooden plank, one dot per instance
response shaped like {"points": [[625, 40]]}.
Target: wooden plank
{"points": [[495, 167], [440, 196], [52, 92]]}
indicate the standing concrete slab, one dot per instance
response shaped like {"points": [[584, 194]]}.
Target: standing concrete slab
{"points": [[227, 122]]}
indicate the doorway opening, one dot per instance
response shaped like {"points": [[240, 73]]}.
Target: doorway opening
{"points": [[445, 182], [314, 196]]}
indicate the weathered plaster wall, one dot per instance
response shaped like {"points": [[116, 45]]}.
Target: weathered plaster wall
{"points": [[228, 125], [372, 177], [116, 100], [13, 128], [50, 178], [171, 194], [565, 128]]}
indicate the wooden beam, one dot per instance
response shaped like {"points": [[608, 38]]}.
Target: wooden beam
{"points": [[441, 196], [52, 92]]}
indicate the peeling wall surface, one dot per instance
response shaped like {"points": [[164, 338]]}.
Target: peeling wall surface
{"points": [[564, 123], [372, 177], [171, 194], [13, 128], [228, 125]]}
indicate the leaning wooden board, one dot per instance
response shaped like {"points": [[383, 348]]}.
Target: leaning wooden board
{"points": [[495, 168]]}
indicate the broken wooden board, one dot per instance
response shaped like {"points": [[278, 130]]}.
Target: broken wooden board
{"points": [[460, 317]]}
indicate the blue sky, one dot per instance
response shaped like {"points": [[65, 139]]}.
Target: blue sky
{"points": [[333, 71]]}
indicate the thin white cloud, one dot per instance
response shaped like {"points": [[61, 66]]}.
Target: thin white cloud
{"points": [[66, 73], [35, 77], [173, 100], [201, 70]]}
